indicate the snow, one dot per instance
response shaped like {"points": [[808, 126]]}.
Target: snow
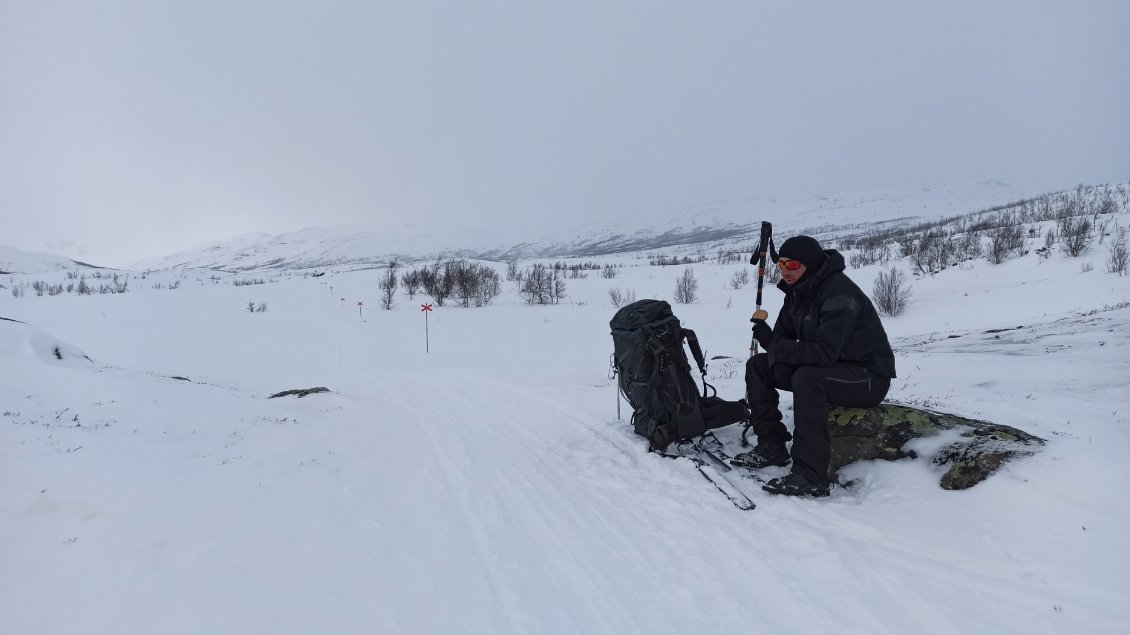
{"points": [[488, 487]]}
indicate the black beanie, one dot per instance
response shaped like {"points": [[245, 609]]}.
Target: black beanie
{"points": [[804, 249]]}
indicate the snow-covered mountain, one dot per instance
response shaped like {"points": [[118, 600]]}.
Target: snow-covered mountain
{"points": [[363, 246], [14, 260]]}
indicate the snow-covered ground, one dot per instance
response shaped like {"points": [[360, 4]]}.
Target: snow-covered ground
{"points": [[488, 487]]}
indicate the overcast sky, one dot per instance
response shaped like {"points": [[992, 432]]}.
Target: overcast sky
{"points": [[131, 129]]}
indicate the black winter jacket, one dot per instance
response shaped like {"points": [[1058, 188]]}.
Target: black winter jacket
{"points": [[827, 319]]}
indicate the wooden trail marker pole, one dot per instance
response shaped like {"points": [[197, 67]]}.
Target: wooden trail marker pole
{"points": [[426, 309]]}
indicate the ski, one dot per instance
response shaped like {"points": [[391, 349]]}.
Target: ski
{"points": [[713, 468], [712, 446], [721, 483]]}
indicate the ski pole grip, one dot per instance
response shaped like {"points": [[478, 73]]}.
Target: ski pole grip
{"points": [[760, 314]]}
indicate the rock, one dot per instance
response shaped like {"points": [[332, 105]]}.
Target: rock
{"points": [[863, 434], [300, 392]]}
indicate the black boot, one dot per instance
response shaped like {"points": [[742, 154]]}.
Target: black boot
{"points": [[794, 484], [764, 454]]}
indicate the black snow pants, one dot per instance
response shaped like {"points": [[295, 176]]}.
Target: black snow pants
{"points": [[814, 389]]}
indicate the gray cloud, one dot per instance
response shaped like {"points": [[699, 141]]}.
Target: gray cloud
{"points": [[134, 128]]}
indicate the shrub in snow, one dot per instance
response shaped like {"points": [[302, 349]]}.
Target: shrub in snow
{"points": [[686, 287], [475, 282], [558, 287], [616, 296], [542, 285], [663, 260], [772, 274], [891, 292], [728, 257], [411, 282], [388, 284], [1049, 242], [969, 247], [1005, 240], [869, 254], [468, 281], [1075, 234], [619, 298], [739, 279], [436, 281], [1117, 260]]}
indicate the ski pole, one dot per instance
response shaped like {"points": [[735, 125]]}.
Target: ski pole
{"points": [[765, 245], [613, 374]]}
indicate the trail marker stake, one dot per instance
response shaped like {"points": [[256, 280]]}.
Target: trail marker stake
{"points": [[426, 309], [359, 304]]}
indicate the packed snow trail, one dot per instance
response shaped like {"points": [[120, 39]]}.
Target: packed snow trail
{"points": [[515, 512]]}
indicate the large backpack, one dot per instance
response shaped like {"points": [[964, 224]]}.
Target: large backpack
{"points": [[655, 376]]}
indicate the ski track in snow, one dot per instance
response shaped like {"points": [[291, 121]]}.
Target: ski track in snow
{"points": [[505, 466], [486, 486], [515, 534], [348, 355]]}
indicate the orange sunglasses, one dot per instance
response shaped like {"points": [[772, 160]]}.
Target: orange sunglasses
{"points": [[791, 265]]}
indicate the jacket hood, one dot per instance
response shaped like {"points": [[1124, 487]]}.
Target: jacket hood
{"points": [[833, 263]]}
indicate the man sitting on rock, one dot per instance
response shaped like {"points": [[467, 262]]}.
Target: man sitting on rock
{"points": [[828, 347]]}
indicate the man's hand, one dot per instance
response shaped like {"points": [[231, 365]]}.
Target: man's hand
{"points": [[763, 333]]}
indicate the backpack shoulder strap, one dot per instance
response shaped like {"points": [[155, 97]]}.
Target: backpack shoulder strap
{"points": [[696, 350]]}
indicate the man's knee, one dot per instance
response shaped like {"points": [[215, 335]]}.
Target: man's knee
{"points": [[757, 366], [808, 379]]}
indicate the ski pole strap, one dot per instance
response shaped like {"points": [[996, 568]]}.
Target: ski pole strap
{"points": [[713, 392], [745, 434], [764, 243]]}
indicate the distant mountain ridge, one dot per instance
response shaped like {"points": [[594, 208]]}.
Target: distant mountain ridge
{"points": [[365, 246], [698, 227], [14, 260]]}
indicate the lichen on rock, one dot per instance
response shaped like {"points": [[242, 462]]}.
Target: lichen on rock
{"points": [[882, 432]]}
